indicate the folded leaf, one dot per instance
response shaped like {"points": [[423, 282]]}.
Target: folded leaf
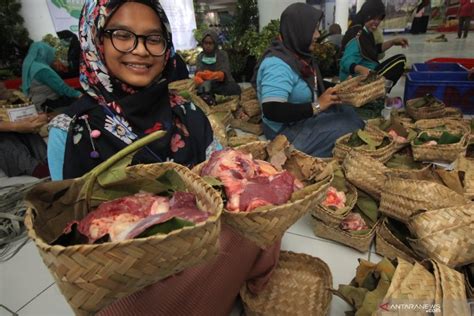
{"points": [[365, 267], [448, 138], [172, 181], [353, 295], [367, 206], [166, 227], [374, 298]]}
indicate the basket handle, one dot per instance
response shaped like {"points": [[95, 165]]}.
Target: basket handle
{"points": [[91, 177]]}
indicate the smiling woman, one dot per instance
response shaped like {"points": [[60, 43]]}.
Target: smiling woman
{"points": [[126, 64]]}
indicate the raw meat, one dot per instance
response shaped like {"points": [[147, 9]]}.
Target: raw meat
{"points": [[127, 217], [249, 183]]}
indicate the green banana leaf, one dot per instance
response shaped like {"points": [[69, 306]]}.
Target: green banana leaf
{"points": [[166, 227], [368, 207], [373, 299]]}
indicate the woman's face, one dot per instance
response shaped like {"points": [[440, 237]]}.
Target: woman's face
{"points": [[314, 40], [137, 68], [208, 45], [373, 24]]}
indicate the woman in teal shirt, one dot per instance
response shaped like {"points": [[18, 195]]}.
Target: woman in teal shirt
{"points": [[360, 51], [291, 92], [41, 83]]}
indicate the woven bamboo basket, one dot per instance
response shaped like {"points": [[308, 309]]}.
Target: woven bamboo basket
{"points": [[91, 276], [451, 290], [424, 112], [381, 154], [199, 102], [328, 216], [241, 140], [403, 117], [248, 94], [252, 128], [251, 107], [185, 84], [449, 124], [448, 152], [440, 152], [352, 92], [446, 234], [403, 268], [300, 285], [266, 226], [366, 173], [218, 128], [453, 113], [388, 245], [401, 198], [417, 285], [358, 242], [228, 106]]}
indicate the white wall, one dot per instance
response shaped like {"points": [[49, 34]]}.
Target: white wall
{"points": [[37, 18], [272, 9]]}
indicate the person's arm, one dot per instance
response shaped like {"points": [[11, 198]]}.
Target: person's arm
{"points": [[27, 125], [352, 59], [56, 148], [399, 41], [50, 78]]}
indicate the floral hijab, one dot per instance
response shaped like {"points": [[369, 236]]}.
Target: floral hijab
{"points": [[94, 76], [121, 114]]}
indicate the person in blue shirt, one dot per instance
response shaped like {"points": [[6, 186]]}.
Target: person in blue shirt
{"points": [[360, 51], [41, 83], [291, 92]]}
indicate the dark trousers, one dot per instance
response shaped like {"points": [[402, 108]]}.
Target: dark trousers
{"points": [[20, 153], [392, 68], [464, 24]]}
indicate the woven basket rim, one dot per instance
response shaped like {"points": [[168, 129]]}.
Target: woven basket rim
{"points": [[29, 219], [316, 265], [330, 212]]}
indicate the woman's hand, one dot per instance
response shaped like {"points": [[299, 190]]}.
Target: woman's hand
{"points": [[328, 98], [30, 125], [400, 41]]}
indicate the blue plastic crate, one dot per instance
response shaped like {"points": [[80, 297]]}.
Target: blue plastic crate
{"points": [[439, 67], [453, 88]]}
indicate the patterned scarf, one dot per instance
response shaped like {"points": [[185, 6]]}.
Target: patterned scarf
{"points": [[123, 114]]}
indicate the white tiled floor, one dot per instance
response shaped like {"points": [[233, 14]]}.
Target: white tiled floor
{"points": [[27, 288]]}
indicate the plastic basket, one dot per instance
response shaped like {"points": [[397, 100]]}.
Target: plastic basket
{"points": [[466, 62], [453, 88], [439, 67]]}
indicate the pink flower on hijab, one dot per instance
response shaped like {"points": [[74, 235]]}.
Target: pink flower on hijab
{"points": [[176, 143]]}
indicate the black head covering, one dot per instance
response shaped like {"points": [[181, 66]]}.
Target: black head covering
{"points": [[369, 10], [297, 25], [213, 35]]}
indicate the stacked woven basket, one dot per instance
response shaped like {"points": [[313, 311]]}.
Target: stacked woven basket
{"points": [[426, 211], [236, 112]]}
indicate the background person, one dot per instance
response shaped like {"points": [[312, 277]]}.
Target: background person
{"points": [[291, 92], [465, 14], [360, 51], [213, 68], [41, 83]]}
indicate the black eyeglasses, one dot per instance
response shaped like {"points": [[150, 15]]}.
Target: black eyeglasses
{"points": [[126, 41]]}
